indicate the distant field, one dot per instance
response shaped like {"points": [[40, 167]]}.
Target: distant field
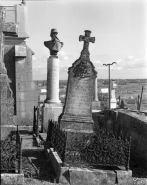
{"points": [[130, 90], [126, 92]]}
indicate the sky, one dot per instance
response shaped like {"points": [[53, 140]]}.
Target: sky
{"points": [[119, 28]]}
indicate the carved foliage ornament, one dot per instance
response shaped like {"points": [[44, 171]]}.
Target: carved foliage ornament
{"points": [[82, 70]]}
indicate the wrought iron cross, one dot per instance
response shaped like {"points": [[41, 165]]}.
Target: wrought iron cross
{"points": [[85, 52]]}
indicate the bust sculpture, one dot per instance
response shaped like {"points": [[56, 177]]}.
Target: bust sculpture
{"points": [[54, 45]]}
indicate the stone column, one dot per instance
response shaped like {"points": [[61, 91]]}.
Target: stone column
{"points": [[95, 90], [52, 105], [95, 103], [113, 98], [52, 80]]}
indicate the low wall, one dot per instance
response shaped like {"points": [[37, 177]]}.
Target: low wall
{"points": [[129, 124]]}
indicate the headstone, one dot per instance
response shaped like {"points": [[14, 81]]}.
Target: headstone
{"points": [[18, 62], [52, 105], [77, 111]]}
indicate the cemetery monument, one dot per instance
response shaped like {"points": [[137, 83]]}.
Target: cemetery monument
{"points": [[52, 105], [77, 111], [18, 62]]}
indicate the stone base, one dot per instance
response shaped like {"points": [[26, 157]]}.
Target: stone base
{"points": [[11, 179], [75, 140], [6, 129], [68, 121], [83, 176], [51, 111], [113, 103], [76, 126], [95, 105]]}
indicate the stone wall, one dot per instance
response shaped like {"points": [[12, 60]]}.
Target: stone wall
{"points": [[129, 124]]}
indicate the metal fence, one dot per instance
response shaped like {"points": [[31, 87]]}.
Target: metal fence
{"points": [[101, 149], [11, 153], [57, 138]]}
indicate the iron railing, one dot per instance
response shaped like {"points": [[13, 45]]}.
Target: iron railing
{"points": [[101, 149], [11, 153], [57, 138]]}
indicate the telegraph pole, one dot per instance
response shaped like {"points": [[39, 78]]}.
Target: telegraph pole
{"points": [[109, 78]]}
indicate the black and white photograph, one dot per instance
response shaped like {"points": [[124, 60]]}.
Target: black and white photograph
{"points": [[73, 92]]}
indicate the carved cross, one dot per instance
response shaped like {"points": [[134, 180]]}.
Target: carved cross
{"points": [[85, 52]]}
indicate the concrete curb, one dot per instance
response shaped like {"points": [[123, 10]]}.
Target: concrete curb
{"points": [[84, 176], [11, 179]]}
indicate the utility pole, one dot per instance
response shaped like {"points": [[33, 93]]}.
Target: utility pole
{"points": [[109, 78]]}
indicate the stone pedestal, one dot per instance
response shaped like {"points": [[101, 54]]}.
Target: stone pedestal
{"points": [[51, 111], [52, 105]]}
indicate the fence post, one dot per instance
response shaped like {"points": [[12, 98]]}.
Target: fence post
{"points": [[19, 150], [41, 120], [128, 161], [37, 125], [34, 121]]}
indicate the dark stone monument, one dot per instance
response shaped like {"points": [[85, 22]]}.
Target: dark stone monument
{"points": [[76, 118], [77, 111]]}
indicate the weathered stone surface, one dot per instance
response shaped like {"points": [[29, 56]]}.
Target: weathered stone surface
{"points": [[81, 176], [6, 95], [18, 62], [10, 28], [12, 179], [20, 51], [6, 129], [124, 177], [79, 95], [64, 176]]}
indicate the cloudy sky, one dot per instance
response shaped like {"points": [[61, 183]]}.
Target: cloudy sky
{"points": [[118, 26]]}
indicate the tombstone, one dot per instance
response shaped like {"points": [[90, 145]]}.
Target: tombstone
{"points": [[76, 118], [77, 111], [18, 62]]}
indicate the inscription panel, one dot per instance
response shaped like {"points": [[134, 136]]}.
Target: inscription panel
{"points": [[80, 100]]}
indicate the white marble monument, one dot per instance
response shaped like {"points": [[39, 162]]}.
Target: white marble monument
{"points": [[113, 101], [52, 105]]}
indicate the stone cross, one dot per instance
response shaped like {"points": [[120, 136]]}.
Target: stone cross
{"points": [[85, 52]]}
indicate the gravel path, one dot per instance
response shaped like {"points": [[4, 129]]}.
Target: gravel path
{"points": [[36, 169]]}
